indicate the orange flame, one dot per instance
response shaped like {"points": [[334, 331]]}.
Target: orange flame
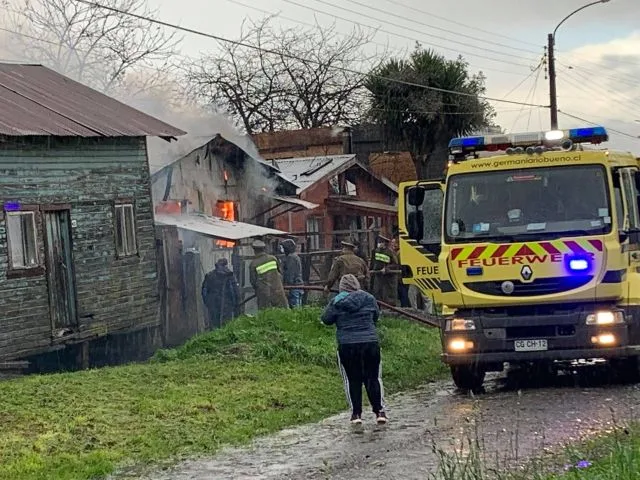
{"points": [[226, 210]]}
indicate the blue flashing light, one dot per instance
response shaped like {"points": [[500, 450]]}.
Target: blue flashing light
{"points": [[474, 271], [466, 142], [12, 206], [578, 264], [588, 134]]}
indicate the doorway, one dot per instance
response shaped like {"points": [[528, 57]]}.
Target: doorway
{"points": [[60, 271]]}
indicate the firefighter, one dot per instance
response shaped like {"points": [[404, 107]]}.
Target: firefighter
{"points": [[403, 290], [264, 274], [221, 294], [347, 262], [384, 271]]}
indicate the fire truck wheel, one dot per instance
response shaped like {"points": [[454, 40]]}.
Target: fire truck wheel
{"points": [[468, 378]]}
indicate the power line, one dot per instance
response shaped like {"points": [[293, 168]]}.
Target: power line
{"points": [[603, 90], [294, 57], [437, 112], [576, 117], [533, 71], [404, 27], [373, 28], [513, 39], [278, 14], [526, 99], [189, 58], [618, 77], [418, 22]]}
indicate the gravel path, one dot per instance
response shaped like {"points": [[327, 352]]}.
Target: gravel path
{"points": [[514, 424]]}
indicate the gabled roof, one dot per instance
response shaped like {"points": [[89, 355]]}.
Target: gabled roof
{"points": [[35, 100], [307, 171]]}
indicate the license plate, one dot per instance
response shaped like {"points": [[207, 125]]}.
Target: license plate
{"points": [[530, 345]]}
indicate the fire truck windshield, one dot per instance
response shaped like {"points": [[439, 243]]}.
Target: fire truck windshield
{"points": [[531, 203]]}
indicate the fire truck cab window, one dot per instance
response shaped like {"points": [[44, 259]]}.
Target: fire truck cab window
{"points": [[630, 193], [533, 202], [424, 215]]}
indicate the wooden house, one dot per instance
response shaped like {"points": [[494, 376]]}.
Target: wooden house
{"points": [[353, 202], [77, 245]]}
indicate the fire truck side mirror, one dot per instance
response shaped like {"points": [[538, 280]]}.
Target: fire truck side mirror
{"points": [[415, 196]]}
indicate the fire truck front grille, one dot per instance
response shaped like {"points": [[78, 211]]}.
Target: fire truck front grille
{"points": [[542, 286]]}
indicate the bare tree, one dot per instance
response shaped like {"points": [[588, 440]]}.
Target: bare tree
{"points": [[98, 47], [298, 77]]}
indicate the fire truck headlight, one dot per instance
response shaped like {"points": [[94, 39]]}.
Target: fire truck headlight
{"points": [[605, 317], [459, 324], [460, 345]]}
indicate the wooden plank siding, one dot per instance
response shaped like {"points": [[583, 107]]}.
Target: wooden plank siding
{"points": [[90, 175]]}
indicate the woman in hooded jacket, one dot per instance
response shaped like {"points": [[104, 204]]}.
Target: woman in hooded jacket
{"points": [[355, 314]]}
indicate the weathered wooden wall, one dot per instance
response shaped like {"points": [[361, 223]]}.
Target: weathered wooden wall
{"points": [[114, 294]]}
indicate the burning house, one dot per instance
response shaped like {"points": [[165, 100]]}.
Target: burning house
{"points": [[219, 196], [77, 246], [221, 179]]}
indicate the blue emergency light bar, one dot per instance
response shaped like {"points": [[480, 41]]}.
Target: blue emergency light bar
{"points": [[460, 147]]}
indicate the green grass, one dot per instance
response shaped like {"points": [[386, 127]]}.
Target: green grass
{"points": [[252, 377], [611, 456], [614, 456]]}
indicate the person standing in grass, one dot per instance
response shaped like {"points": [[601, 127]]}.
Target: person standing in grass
{"points": [[355, 313]]}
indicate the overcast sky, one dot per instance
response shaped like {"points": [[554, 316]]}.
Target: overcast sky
{"points": [[598, 49]]}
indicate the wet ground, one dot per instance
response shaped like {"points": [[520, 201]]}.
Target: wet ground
{"points": [[515, 418]]}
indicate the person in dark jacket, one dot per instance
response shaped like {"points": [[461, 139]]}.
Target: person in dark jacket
{"points": [[292, 273], [221, 294], [355, 314], [385, 273], [347, 262]]}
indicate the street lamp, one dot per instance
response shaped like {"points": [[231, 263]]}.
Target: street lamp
{"points": [[552, 64]]}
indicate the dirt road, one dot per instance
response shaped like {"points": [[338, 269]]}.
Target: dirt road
{"points": [[514, 424]]}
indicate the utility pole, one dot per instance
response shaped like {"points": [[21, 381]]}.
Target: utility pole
{"points": [[553, 104], [552, 83]]}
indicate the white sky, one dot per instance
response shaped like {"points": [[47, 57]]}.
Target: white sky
{"points": [[601, 43], [598, 49]]}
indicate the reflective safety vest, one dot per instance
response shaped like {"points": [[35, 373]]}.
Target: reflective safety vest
{"points": [[382, 257], [266, 267]]}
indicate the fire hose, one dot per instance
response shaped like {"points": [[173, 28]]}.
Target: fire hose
{"points": [[429, 320]]}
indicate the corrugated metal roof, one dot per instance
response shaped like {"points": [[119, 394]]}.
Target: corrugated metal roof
{"points": [[306, 171], [215, 227], [35, 100]]}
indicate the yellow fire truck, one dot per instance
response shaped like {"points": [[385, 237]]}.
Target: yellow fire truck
{"points": [[533, 252]]}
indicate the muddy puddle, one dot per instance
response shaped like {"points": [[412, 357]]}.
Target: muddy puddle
{"points": [[511, 423]]}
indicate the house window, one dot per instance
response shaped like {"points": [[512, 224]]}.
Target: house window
{"points": [[125, 230], [313, 232], [351, 188], [23, 246]]}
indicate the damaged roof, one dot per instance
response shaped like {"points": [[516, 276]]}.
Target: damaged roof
{"points": [[307, 171], [35, 100], [215, 227]]}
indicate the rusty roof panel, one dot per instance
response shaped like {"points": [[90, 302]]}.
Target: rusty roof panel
{"points": [[35, 100]]}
